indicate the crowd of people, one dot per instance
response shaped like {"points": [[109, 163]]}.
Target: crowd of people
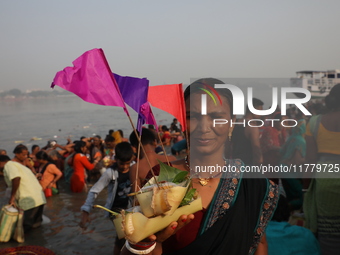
{"points": [[236, 208]]}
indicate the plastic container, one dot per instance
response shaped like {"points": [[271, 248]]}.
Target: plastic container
{"points": [[48, 192]]}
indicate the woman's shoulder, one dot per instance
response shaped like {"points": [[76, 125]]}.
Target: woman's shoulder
{"points": [[79, 155], [179, 164], [52, 167], [330, 121]]}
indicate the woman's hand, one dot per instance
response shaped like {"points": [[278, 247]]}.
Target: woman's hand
{"points": [[164, 234], [49, 186], [12, 202], [38, 176]]}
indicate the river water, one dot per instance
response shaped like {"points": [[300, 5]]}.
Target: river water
{"points": [[61, 117], [23, 120]]}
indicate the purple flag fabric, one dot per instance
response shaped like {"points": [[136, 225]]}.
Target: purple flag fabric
{"points": [[146, 116], [134, 90], [91, 79], [135, 93]]}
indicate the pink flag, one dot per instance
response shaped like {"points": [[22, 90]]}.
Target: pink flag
{"points": [[91, 79], [169, 98], [145, 116]]}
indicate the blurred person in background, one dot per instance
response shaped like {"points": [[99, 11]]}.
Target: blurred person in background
{"points": [[246, 139], [80, 163], [321, 201], [26, 192], [50, 173]]}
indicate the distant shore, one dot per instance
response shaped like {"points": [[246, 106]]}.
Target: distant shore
{"points": [[19, 95]]}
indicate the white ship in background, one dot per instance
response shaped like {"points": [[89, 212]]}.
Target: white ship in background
{"points": [[319, 83]]}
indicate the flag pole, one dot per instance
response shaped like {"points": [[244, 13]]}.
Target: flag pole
{"points": [[166, 156], [127, 113], [136, 178]]}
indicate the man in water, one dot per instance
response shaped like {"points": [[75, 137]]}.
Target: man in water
{"points": [[26, 191]]}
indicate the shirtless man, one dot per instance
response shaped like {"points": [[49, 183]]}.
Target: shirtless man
{"points": [[149, 143]]}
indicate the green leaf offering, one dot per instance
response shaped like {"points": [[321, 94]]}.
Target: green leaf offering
{"points": [[171, 174], [188, 197], [180, 177], [167, 173]]}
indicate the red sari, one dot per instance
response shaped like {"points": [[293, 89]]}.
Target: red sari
{"points": [[80, 162]]}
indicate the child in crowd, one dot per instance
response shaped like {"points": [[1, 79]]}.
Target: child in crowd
{"points": [[116, 179]]}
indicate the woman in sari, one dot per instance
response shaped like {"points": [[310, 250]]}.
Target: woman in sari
{"points": [[293, 152], [235, 210], [322, 204], [272, 139], [50, 173], [80, 163]]}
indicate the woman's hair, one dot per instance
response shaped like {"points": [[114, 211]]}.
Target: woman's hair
{"points": [[124, 151], [165, 128], [4, 158], [109, 139], [19, 148], [42, 155], [282, 212], [98, 136], [78, 145], [121, 132], [209, 84], [332, 101], [53, 154]]}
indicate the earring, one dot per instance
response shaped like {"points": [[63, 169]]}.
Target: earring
{"points": [[231, 128], [230, 134]]}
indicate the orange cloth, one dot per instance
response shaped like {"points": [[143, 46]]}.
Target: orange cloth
{"points": [[80, 162], [48, 176], [118, 138], [327, 141]]}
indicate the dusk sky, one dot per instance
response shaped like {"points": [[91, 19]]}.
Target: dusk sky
{"points": [[168, 41]]}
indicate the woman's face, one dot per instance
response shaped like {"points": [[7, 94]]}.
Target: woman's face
{"points": [[96, 141], [22, 155], [203, 136], [84, 149], [36, 150]]}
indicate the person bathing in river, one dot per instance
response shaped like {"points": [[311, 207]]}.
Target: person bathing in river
{"points": [[26, 192], [50, 174], [80, 163]]}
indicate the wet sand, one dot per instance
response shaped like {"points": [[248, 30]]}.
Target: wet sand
{"points": [[63, 235]]}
